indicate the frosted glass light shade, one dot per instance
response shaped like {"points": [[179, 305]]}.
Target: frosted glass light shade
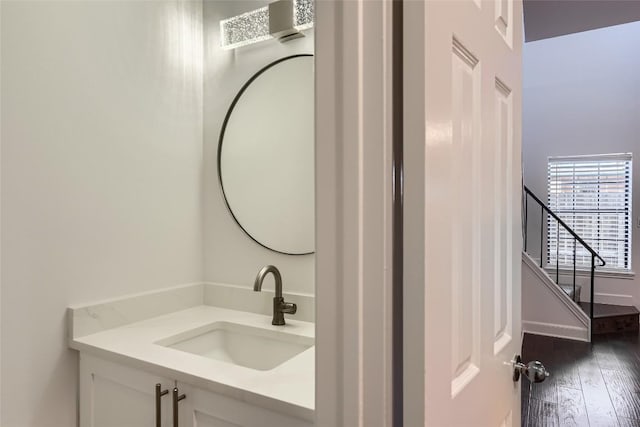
{"points": [[253, 27], [302, 14], [248, 28]]}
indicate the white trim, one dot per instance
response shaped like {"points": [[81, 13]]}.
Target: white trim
{"points": [[414, 292], [600, 297], [615, 299], [587, 157], [353, 213], [558, 331], [1, 284], [612, 274], [464, 53], [556, 290]]}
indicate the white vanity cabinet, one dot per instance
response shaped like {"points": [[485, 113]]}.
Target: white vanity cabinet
{"points": [[113, 395], [208, 409], [117, 395]]}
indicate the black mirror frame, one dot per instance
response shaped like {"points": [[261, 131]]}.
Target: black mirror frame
{"points": [[221, 139]]}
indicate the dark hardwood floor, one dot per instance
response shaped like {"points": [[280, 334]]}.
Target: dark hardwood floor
{"points": [[591, 384]]}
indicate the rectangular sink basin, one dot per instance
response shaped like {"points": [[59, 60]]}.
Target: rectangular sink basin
{"points": [[251, 347]]}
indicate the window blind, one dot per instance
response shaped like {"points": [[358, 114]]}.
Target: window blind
{"points": [[592, 195]]}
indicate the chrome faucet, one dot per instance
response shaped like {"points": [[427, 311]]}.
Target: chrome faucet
{"points": [[280, 307]]}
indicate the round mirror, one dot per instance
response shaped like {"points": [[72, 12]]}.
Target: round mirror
{"points": [[266, 156]]}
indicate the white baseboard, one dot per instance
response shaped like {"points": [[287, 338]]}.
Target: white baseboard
{"points": [[558, 331], [615, 299]]}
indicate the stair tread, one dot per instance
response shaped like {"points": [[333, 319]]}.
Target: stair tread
{"points": [[568, 289], [610, 310]]}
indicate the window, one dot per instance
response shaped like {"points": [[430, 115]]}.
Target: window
{"points": [[592, 195]]}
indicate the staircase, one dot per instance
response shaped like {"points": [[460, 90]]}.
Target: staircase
{"points": [[603, 318], [574, 294], [609, 318]]}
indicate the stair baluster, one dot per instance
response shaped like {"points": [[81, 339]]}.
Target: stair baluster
{"points": [[544, 209]]}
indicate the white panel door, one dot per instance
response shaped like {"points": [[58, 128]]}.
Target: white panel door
{"points": [[462, 211]]}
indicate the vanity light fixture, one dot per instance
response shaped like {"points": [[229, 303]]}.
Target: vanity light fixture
{"points": [[283, 20]]}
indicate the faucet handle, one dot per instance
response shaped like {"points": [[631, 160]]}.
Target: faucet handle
{"points": [[289, 308], [280, 307]]}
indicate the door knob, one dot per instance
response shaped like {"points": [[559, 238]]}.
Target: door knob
{"points": [[534, 371]]}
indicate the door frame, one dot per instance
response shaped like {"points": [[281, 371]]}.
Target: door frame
{"points": [[414, 297], [354, 216]]}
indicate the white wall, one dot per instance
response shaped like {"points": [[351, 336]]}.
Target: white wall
{"points": [[230, 255], [101, 177], [581, 96]]}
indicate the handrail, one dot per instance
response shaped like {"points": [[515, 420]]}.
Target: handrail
{"points": [[576, 239], [561, 222]]}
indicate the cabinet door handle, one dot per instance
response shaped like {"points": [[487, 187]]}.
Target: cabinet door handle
{"points": [[176, 398], [159, 394]]}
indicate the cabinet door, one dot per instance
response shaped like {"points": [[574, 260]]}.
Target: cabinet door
{"points": [[203, 408], [113, 395]]}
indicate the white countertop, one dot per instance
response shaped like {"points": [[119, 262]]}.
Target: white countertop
{"points": [[288, 388]]}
